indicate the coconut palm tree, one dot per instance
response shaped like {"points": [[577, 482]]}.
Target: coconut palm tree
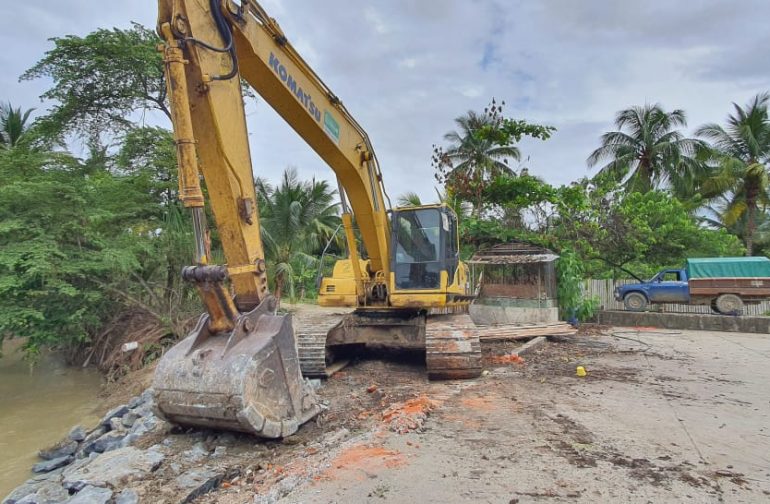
{"points": [[13, 125], [740, 153], [473, 158], [716, 212], [409, 199], [298, 218], [647, 150]]}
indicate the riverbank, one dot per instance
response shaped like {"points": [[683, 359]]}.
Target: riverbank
{"points": [[39, 405], [660, 417]]}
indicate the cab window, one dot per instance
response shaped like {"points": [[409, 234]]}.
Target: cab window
{"points": [[670, 276]]}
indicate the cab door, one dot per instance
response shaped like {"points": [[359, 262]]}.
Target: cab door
{"points": [[669, 287]]}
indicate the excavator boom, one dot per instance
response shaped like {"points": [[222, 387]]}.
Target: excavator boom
{"points": [[240, 367]]}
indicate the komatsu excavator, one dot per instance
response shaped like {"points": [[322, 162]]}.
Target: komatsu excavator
{"points": [[241, 367]]}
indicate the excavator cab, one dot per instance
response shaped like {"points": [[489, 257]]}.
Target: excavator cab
{"points": [[425, 242]]}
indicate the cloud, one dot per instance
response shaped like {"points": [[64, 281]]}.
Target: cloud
{"points": [[406, 69]]}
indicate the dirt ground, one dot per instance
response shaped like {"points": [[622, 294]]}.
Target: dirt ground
{"points": [[662, 416]]}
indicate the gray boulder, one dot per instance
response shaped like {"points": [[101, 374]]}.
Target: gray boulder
{"points": [[54, 476], [197, 453], [128, 419], [61, 449], [50, 465], [21, 491], [116, 412], [144, 425], [129, 440], [77, 434], [117, 466], [108, 442], [127, 496], [45, 493], [196, 482], [96, 433], [116, 424], [144, 409], [148, 396], [134, 402], [91, 495]]}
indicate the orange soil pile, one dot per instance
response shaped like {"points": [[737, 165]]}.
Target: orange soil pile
{"points": [[363, 460], [409, 415], [507, 359]]}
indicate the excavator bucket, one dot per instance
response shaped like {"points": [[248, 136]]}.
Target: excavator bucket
{"points": [[248, 380]]}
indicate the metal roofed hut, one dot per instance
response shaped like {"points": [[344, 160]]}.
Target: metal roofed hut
{"points": [[516, 285]]}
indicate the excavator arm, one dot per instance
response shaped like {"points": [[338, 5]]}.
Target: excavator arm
{"points": [[209, 44]]}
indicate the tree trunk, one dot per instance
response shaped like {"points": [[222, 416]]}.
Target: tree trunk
{"points": [[278, 286], [752, 208], [752, 187]]}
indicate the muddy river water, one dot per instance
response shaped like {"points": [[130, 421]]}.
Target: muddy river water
{"points": [[37, 408]]}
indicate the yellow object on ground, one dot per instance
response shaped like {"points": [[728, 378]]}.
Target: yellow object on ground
{"points": [[581, 371]]}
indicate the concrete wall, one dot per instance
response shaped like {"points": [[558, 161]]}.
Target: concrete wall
{"points": [[483, 314], [686, 321]]}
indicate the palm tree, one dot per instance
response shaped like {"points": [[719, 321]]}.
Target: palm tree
{"points": [[740, 153], [13, 125], [409, 199], [298, 218], [474, 158], [716, 214], [648, 150]]}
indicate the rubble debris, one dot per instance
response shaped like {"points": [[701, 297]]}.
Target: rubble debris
{"points": [[513, 358], [408, 416]]}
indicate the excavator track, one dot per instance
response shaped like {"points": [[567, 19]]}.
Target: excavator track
{"points": [[311, 330], [452, 348], [312, 353]]}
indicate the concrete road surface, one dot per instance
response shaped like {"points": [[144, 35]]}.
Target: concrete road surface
{"points": [[662, 416]]}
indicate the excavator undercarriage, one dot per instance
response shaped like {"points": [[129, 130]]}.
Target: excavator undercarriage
{"points": [[452, 348]]}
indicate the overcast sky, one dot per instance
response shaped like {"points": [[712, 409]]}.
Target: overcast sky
{"points": [[406, 68]]}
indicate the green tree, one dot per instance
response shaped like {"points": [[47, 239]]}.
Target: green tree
{"points": [[102, 82], [479, 151], [740, 154], [648, 151], [637, 233], [409, 199], [68, 234], [13, 125], [298, 219], [471, 160]]}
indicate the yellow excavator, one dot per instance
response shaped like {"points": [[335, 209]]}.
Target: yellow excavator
{"points": [[242, 366]]}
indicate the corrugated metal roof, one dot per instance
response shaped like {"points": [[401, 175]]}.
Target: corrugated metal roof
{"points": [[514, 253], [520, 259]]}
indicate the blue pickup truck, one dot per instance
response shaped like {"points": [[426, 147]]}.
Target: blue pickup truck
{"points": [[725, 283]]}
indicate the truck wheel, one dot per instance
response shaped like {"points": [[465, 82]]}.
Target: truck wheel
{"points": [[634, 301], [729, 304]]}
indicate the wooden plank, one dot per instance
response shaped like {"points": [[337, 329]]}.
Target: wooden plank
{"points": [[511, 332], [530, 345]]}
